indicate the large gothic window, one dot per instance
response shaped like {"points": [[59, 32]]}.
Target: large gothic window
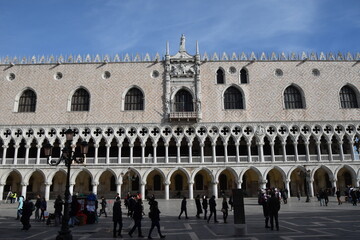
{"points": [[244, 76], [293, 98], [348, 98], [80, 100], [27, 101], [233, 99], [134, 100], [183, 102], [220, 78]]}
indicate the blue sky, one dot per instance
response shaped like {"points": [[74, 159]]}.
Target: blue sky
{"points": [[46, 27]]}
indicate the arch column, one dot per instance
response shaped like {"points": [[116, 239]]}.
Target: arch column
{"points": [[71, 188], [261, 151], [191, 190], [27, 148], [263, 184], [190, 152], [23, 189], [213, 145], [341, 150], [215, 188], [352, 150], [142, 190], [143, 153], [167, 190], [249, 151], [239, 184], [357, 182], [131, 146], [155, 153], [108, 153], [287, 185], [16, 154], [333, 184], [2, 191], [330, 151], [318, 150], [5, 147], [166, 145], [95, 187], [237, 144], [118, 188], [96, 159], [38, 152], [272, 151], [283, 145], [178, 157], [47, 191], [311, 188], [296, 152], [202, 152], [119, 153], [226, 153], [307, 151]]}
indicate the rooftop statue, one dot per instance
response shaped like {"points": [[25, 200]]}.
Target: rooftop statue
{"points": [[182, 43]]}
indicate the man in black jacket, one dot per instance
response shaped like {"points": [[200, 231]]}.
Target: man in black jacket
{"points": [[274, 207], [212, 205], [28, 208], [154, 215], [117, 217], [137, 216]]}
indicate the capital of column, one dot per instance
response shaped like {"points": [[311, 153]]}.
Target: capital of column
{"points": [[5, 146], [225, 144], [96, 145], [213, 144], [190, 144], [154, 145], [167, 182], [202, 144], [108, 145], [24, 184], [95, 183], [16, 146], [39, 146], [237, 144], [341, 142], [143, 145], [178, 144], [215, 182], [166, 144], [27, 146], [191, 182], [131, 145], [119, 145]]}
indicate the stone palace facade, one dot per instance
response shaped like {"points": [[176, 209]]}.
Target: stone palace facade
{"points": [[181, 125]]}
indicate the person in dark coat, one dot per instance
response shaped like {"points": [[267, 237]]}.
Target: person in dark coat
{"points": [[205, 206], [225, 209], [212, 205], [154, 215], [37, 208], [117, 217], [183, 208], [43, 207], [28, 208], [265, 206], [131, 205], [74, 209], [198, 206], [103, 207], [137, 216], [274, 207], [58, 206]]}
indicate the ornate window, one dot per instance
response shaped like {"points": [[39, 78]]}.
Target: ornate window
{"points": [[233, 99], [220, 77], [27, 101], [293, 98], [244, 78], [134, 100], [80, 101], [183, 102], [348, 98]]}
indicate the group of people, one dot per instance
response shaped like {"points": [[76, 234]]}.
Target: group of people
{"points": [[270, 201], [202, 207]]}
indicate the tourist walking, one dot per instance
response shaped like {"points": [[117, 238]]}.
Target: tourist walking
{"points": [[224, 209], [117, 217], [198, 206], [231, 203], [338, 195], [154, 215], [205, 206], [28, 208], [74, 209], [274, 207], [58, 206], [20, 208], [183, 208], [265, 206], [103, 207], [212, 205], [37, 208], [43, 207], [137, 216]]}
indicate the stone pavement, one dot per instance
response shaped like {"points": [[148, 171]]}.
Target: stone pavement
{"points": [[298, 220]]}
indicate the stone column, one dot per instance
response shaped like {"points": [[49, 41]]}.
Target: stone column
{"points": [[23, 189], [333, 183], [357, 182], [166, 145], [142, 190], [330, 151], [261, 152], [96, 158], [352, 150], [311, 188], [213, 145], [318, 150], [16, 154], [272, 151], [263, 184], [38, 152], [237, 144], [47, 191], [283, 145], [202, 152], [296, 152], [249, 151], [27, 148], [143, 153], [5, 147], [226, 153], [119, 153], [178, 157], [287, 185], [239, 184], [1, 191], [167, 190], [155, 153], [131, 145], [118, 188], [95, 187], [341, 150], [108, 153], [71, 188], [215, 188], [190, 152], [191, 190], [307, 151]]}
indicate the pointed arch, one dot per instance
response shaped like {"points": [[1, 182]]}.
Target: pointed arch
{"points": [[183, 101], [220, 76], [244, 76]]}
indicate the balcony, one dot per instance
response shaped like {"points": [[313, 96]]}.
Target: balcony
{"points": [[182, 111]]}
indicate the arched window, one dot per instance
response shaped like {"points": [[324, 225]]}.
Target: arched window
{"points": [[183, 102], [220, 78], [134, 100], [80, 101], [233, 99], [27, 101], [292, 98], [348, 98], [244, 78]]}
